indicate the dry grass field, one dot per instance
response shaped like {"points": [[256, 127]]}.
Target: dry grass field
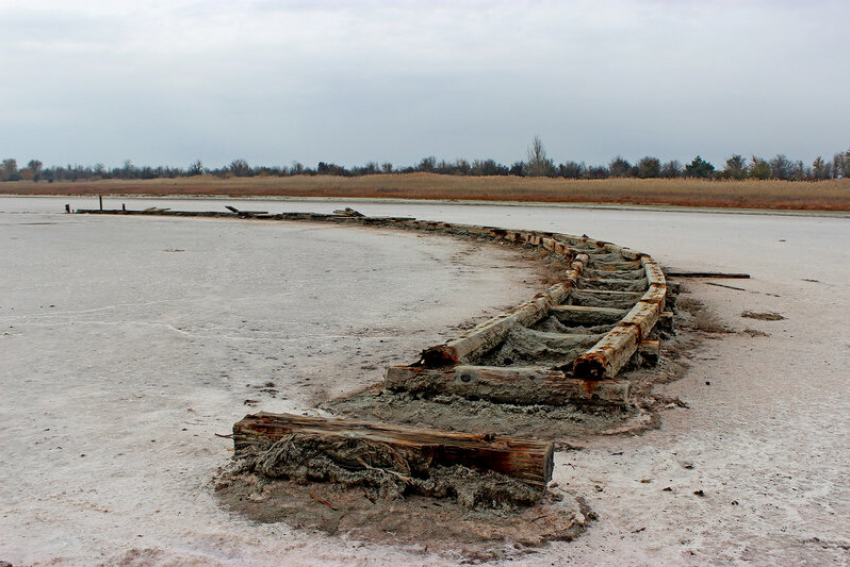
{"points": [[833, 195]]}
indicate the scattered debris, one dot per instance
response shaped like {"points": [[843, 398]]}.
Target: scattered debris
{"points": [[348, 212], [768, 316], [715, 275], [726, 286]]}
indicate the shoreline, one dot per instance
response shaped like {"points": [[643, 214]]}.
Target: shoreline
{"points": [[472, 203]]}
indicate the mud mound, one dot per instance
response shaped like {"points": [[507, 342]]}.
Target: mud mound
{"points": [[455, 413], [444, 526], [383, 472]]}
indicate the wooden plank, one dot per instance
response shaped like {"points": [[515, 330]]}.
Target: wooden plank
{"points": [[486, 336], [528, 385], [421, 449], [609, 355]]}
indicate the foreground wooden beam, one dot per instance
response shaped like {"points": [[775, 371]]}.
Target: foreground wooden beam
{"points": [[518, 385], [421, 450]]}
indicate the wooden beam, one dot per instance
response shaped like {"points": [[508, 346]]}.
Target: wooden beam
{"points": [[516, 385], [609, 355], [420, 450], [486, 336]]}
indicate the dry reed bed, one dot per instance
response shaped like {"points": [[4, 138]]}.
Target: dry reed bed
{"points": [[832, 195]]}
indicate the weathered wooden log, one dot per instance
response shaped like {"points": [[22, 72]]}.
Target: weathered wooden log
{"points": [[521, 385], [650, 347], [648, 351], [577, 267], [419, 449], [246, 214], [609, 355], [486, 336]]}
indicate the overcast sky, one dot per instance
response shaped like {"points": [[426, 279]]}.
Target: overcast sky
{"points": [[169, 82]]}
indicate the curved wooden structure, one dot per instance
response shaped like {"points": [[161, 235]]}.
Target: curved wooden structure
{"points": [[567, 344]]}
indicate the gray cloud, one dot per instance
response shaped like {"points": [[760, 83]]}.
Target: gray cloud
{"points": [[273, 82]]}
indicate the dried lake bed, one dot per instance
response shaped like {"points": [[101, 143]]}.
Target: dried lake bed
{"points": [[128, 342]]}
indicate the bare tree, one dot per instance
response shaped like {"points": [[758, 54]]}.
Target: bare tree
{"points": [[671, 169], [821, 169], [538, 164], [240, 168], [781, 167], [844, 165]]}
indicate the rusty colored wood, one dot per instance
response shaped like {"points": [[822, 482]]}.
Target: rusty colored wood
{"points": [[470, 345], [525, 459], [529, 385], [609, 355], [650, 346]]}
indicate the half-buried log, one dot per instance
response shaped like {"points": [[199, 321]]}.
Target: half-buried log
{"points": [[353, 445], [520, 385], [609, 355], [468, 347]]}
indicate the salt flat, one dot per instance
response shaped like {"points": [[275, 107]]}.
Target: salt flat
{"points": [[131, 341]]}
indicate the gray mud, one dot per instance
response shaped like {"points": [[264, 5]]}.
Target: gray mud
{"points": [[454, 413], [443, 526], [525, 346], [383, 472]]}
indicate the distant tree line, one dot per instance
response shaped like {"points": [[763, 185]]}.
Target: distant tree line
{"points": [[537, 164]]}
